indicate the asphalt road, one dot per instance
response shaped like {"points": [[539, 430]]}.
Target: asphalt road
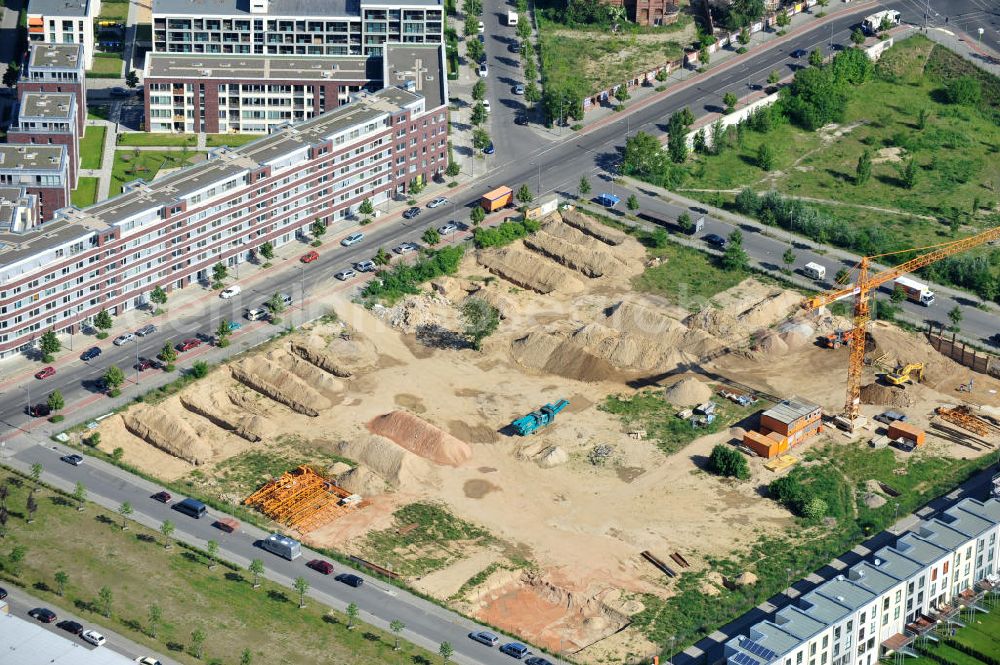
{"points": [[966, 15]]}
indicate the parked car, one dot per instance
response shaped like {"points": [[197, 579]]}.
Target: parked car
{"points": [[484, 637], [410, 213], [143, 364], [90, 353], [439, 201], [799, 53], [406, 248], [349, 579], [74, 459], [537, 660], [45, 372], [515, 649], [309, 257], [521, 119], [484, 70], [480, 27], [450, 227], [93, 637], [70, 627], [38, 410], [43, 614], [233, 325], [889, 417], [257, 314], [365, 266], [490, 149], [147, 660], [231, 291], [162, 497], [515, 46], [607, 200], [518, 89], [189, 344], [148, 329], [352, 239], [321, 566], [345, 275], [227, 524], [124, 338], [715, 240], [486, 105], [3, 593]]}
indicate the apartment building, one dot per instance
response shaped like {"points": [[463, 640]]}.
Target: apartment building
{"points": [[18, 209], [42, 170], [64, 22], [49, 118], [170, 232], [880, 605], [57, 68]]}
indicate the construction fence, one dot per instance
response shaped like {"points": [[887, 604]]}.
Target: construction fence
{"points": [[963, 354]]}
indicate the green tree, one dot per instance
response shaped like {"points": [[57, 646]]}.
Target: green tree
{"points": [[49, 345], [632, 203], [158, 296], [863, 171], [524, 195], [366, 207], [475, 51], [477, 216], [267, 251], [734, 257], [788, 258], [531, 93], [964, 90], [11, 75], [396, 626], [446, 651], [676, 142], [80, 494], [318, 229], [103, 320], [782, 20], [382, 257], [744, 36], [125, 509], [36, 474], [643, 155], [222, 333], [700, 142], [219, 272], [199, 369], [815, 509], [923, 115], [16, 557], [479, 90], [198, 637], [774, 77], [352, 615], [55, 401], [730, 100], [815, 98], [155, 615], [955, 315], [62, 579], [524, 32], [479, 114], [852, 67], [583, 187], [704, 57], [742, 13], [275, 304], [621, 93], [167, 529], [212, 550], [481, 320], [816, 58], [256, 569], [114, 377], [453, 169], [168, 353], [31, 506], [858, 37], [727, 461], [908, 174], [131, 79], [718, 137], [481, 138], [765, 156], [431, 237], [302, 586], [105, 597], [118, 454], [685, 223]]}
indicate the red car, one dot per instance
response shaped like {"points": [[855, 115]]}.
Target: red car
{"points": [[188, 344], [309, 257], [45, 372], [162, 497], [321, 566]]}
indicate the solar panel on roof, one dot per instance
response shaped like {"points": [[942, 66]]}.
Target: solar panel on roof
{"points": [[743, 659], [758, 650]]}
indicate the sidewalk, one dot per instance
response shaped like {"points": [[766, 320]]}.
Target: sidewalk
{"points": [[103, 174]]}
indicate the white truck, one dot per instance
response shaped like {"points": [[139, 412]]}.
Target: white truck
{"points": [[511, 18], [872, 24], [915, 291], [814, 271]]}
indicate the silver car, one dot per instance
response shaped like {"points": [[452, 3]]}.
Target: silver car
{"points": [[352, 239], [439, 201], [123, 339], [406, 248], [447, 229], [345, 275]]}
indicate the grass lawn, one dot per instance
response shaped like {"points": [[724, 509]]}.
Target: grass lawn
{"points": [[92, 148], [85, 193], [106, 65], [232, 140], [134, 565], [686, 276], [126, 168], [947, 653], [982, 634], [113, 11], [157, 139], [99, 112]]}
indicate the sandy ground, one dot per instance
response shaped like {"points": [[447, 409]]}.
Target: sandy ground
{"points": [[565, 334]]}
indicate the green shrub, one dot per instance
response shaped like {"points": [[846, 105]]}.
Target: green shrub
{"points": [[727, 461], [504, 233], [404, 278]]}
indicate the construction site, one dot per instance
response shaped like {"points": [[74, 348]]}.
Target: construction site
{"points": [[500, 481]]}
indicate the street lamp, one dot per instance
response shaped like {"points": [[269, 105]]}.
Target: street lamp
{"points": [[28, 395], [670, 657]]}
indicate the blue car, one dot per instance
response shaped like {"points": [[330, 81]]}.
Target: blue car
{"points": [[607, 200], [90, 353], [234, 326], [489, 150]]}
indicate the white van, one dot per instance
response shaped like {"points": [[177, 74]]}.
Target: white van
{"points": [[814, 271], [512, 19]]}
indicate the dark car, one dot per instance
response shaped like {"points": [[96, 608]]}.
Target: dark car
{"points": [[537, 660], [799, 53], [74, 459], [515, 649], [3, 593], [350, 580], [90, 353], [189, 344], [410, 213], [144, 364], [890, 417], [43, 614], [490, 149], [70, 627], [162, 497], [321, 566], [521, 120], [39, 410], [715, 240]]}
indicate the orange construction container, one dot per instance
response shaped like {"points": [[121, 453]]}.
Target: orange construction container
{"points": [[497, 198], [900, 430], [762, 445]]}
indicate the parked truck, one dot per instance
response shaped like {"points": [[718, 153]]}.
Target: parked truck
{"points": [[872, 24], [915, 291], [494, 200], [511, 18], [814, 270]]}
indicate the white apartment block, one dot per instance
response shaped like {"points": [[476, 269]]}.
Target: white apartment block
{"points": [[64, 22], [882, 604]]}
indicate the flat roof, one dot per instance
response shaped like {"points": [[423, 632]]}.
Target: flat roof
{"points": [[323, 9], [791, 410], [420, 65], [58, 7], [31, 157], [941, 534], [822, 608], [869, 576], [55, 56], [349, 68], [970, 510], [27, 643], [919, 549], [845, 591], [49, 105]]}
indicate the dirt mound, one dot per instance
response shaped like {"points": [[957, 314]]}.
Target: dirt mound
{"points": [[248, 426], [452, 288], [593, 228], [771, 345], [308, 372], [280, 385], [398, 467], [591, 262], [551, 456], [421, 438], [415, 312], [343, 356], [688, 392], [744, 308], [876, 393], [361, 480], [503, 302], [873, 500], [553, 353], [524, 269], [669, 334], [168, 433]]}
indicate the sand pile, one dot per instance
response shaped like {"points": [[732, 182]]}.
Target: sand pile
{"points": [[876, 393], [592, 262], [668, 333], [361, 480], [555, 353], [305, 370], [526, 270], [166, 432], [452, 288], [415, 312], [593, 228], [248, 426], [689, 391], [502, 302], [280, 385], [398, 467], [551, 456], [421, 438], [873, 500], [770, 345], [797, 334], [743, 309]]}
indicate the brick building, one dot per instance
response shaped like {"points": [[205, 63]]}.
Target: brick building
{"points": [[49, 118], [56, 68], [42, 170]]}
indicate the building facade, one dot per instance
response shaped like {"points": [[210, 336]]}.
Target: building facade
{"points": [[49, 118], [42, 170], [64, 22], [883, 603], [170, 232], [56, 68]]}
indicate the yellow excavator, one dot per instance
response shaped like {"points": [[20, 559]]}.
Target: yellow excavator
{"points": [[902, 375]]}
